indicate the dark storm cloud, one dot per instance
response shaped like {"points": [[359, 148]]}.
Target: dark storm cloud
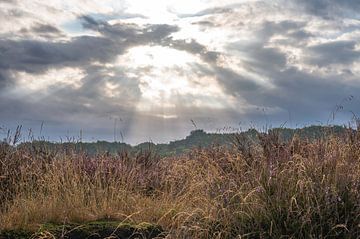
{"points": [[336, 52]]}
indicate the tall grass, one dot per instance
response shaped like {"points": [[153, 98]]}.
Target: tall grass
{"points": [[268, 189]]}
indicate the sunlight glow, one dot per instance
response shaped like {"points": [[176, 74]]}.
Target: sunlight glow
{"points": [[158, 56], [51, 79], [167, 80]]}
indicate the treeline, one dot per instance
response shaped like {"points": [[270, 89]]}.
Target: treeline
{"points": [[196, 139]]}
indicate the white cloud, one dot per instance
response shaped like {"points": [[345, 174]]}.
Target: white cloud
{"points": [[47, 82]]}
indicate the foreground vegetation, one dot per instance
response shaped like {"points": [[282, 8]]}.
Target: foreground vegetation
{"points": [[266, 187]]}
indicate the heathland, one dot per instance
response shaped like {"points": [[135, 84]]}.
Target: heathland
{"points": [[281, 183]]}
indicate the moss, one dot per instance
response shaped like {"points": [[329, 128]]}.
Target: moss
{"points": [[91, 230]]}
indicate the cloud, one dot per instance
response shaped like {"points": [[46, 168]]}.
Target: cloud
{"points": [[288, 84], [209, 11], [335, 52], [238, 60], [105, 90], [45, 28], [43, 32], [329, 8], [236, 83], [35, 56], [8, 1], [4, 79], [149, 33], [192, 47]]}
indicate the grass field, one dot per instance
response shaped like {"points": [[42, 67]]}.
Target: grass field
{"points": [[268, 189]]}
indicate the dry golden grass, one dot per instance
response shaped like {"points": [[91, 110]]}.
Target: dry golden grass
{"points": [[272, 189]]}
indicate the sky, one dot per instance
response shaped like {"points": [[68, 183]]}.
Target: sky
{"points": [[137, 70]]}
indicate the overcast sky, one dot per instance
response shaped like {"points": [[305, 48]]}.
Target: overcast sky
{"points": [[147, 68]]}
